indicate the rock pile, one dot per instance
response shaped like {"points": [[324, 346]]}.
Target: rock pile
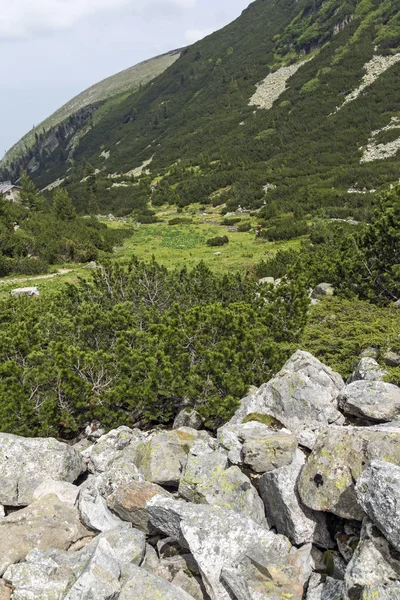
{"points": [[298, 497]]}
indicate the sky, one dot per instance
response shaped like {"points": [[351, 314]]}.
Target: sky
{"points": [[51, 50]]}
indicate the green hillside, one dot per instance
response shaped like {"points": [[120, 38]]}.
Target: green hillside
{"points": [[126, 81]]}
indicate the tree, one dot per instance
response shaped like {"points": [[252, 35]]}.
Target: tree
{"points": [[30, 195], [63, 206]]}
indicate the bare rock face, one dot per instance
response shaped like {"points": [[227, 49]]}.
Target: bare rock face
{"points": [[378, 492], [302, 396], [372, 400], [25, 463], [129, 503], [285, 510], [46, 523], [337, 461], [223, 542]]}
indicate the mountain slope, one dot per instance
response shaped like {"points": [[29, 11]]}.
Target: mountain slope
{"points": [[126, 81], [294, 102]]}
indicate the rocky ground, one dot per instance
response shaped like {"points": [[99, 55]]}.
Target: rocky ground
{"points": [[297, 497]]}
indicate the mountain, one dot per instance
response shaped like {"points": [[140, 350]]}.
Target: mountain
{"points": [[117, 85], [294, 103]]}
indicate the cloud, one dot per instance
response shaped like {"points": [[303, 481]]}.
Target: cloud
{"points": [[20, 19], [194, 35]]}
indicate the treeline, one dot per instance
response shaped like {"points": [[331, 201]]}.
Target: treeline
{"points": [[137, 343], [37, 232]]}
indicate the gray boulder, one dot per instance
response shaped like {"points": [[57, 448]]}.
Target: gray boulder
{"points": [[220, 540], [391, 359], [188, 417], [208, 480], [374, 563], [129, 503], [144, 585], [163, 457], [372, 400], [323, 289], [302, 396], [65, 492], [25, 463], [94, 512], [268, 450], [378, 492], [285, 510], [111, 447], [337, 461], [367, 370], [46, 523], [325, 588]]}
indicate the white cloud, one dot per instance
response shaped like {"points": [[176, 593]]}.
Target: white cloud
{"points": [[25, 18], [194, 35]]}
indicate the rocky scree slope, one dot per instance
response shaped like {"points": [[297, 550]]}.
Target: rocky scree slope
{"points": [[296, 497]]}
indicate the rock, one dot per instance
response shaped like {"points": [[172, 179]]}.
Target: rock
{"points": [[231, 437], [268, 450], [323, 289], [285, 510], [65, 492], [219, 540], [378, 492], [381, 592], [338, 459], [367, 370], [267, 280], [396, 304], [188, 418], [102, 565], [26, 462], [110, 448], [144, 585], [373, 564], [94, 512], [129, 503], [330, 589], [391, 359], [163, 457], [259, 575], [2, 512], [207, 480], [373, 400], [151, 561], [302, 396], [46, 523], [189, 584], [370, 352], [5, 591], [28, 291], [94, 431]]}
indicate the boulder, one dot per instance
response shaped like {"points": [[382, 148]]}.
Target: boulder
{"points": [[285, 510], [374, 563], [220, 541], [129, 503], [390, 591], [188, 417], [396, 304], [94, 512], [46, 523], [27, 291], [103, 565], [65, 492], [111, 446], [25, 463], [144, 585], [378, 492], [337, 461], [391, 359], [371, 400], [302, 396], [189, 584], [163, 457], [5, 590], [208, 480], [268, 450], [324, 588], [323, 289], [367, 370]]}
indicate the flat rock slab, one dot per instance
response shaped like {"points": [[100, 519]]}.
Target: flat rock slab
{"points": [[46, 523], [374, 400], [302, 396], [378, 492], [25, 463], [337, 461]]}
